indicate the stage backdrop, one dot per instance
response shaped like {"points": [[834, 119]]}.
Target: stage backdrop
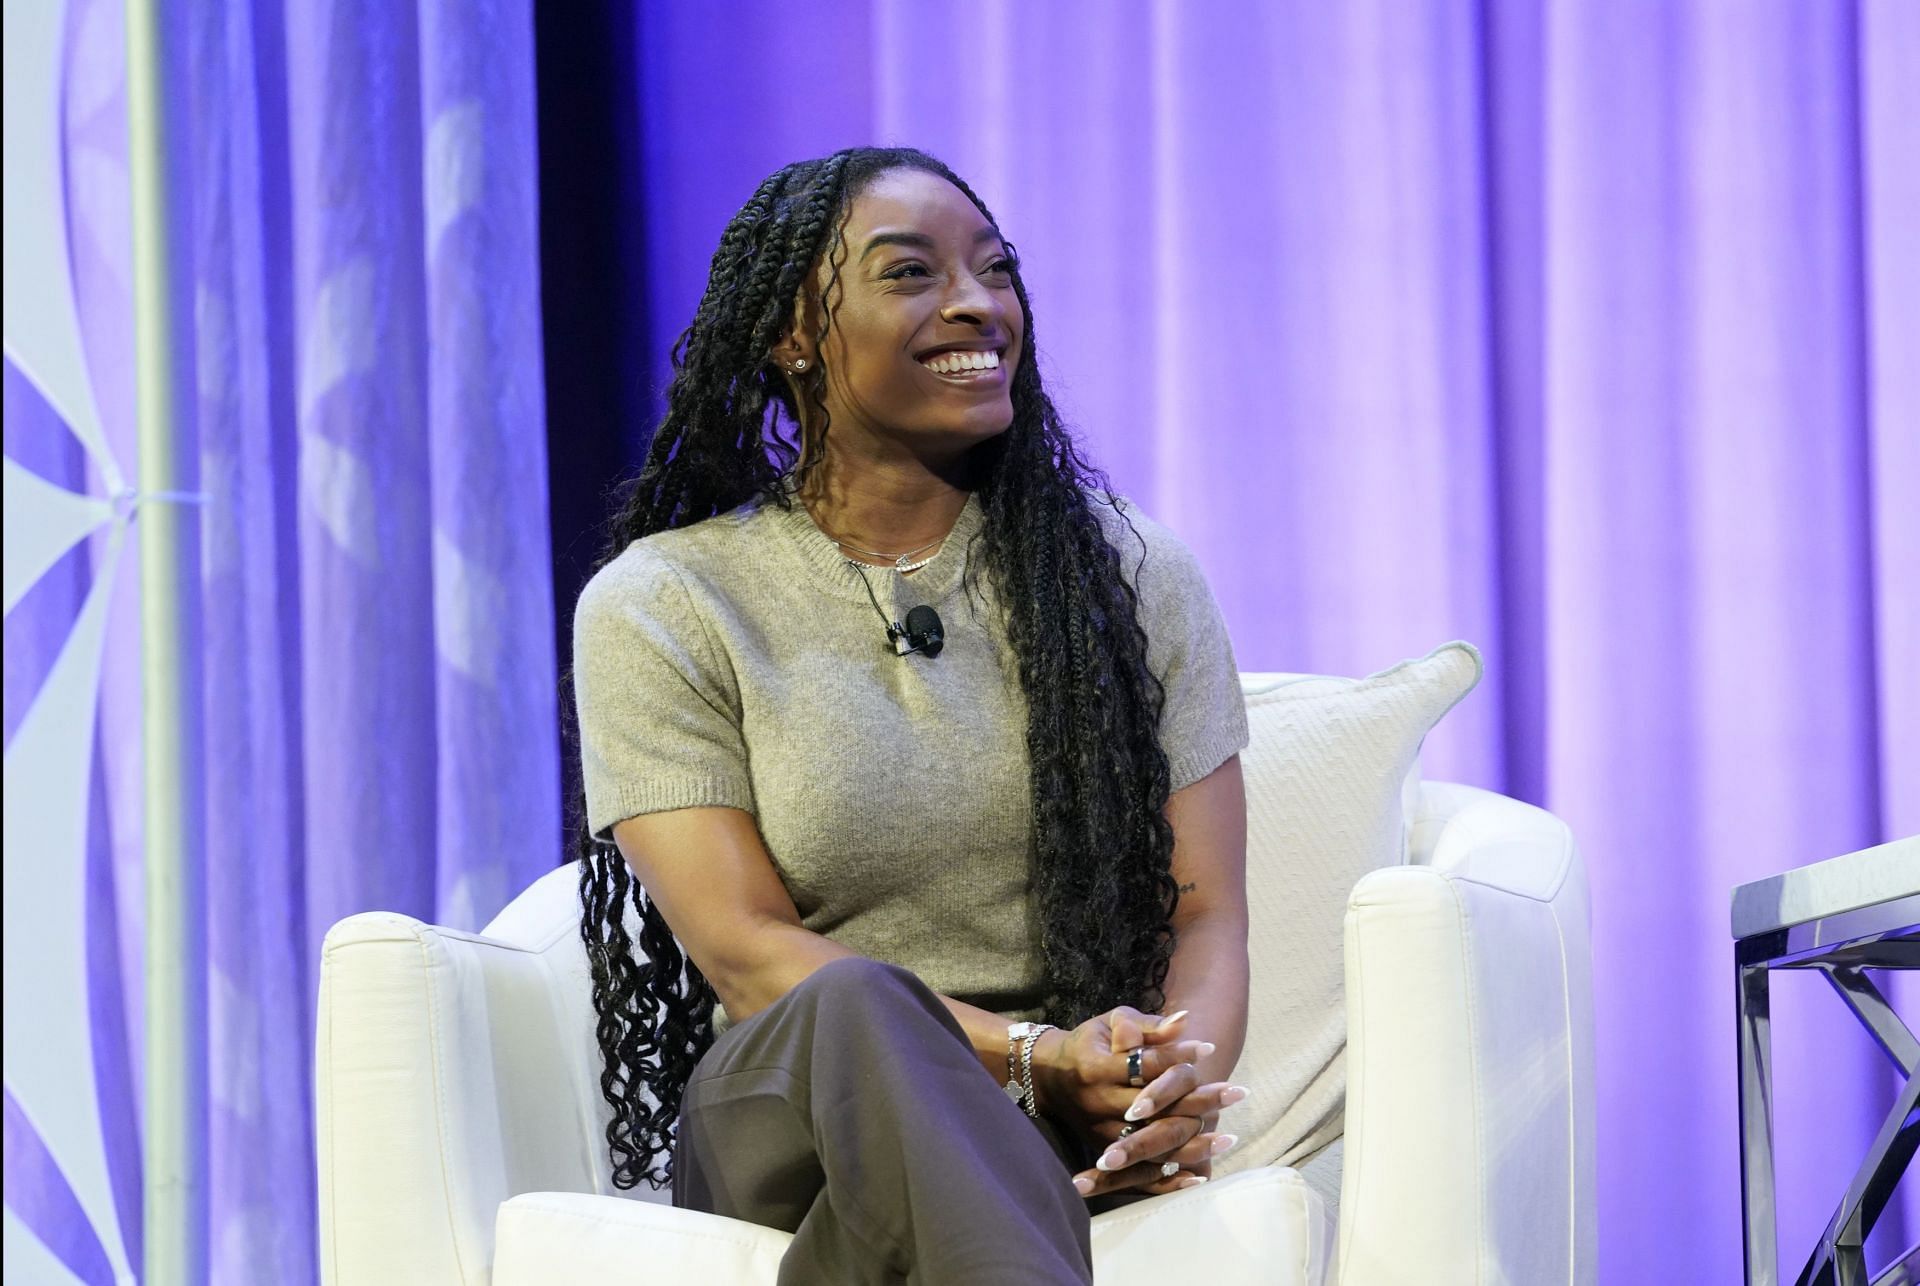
{"points": [[1576, 337], [379, 670], [1572, 330]]}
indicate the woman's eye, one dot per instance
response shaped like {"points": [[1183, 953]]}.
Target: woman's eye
{"points": [[904, 270], [1003, 266]]}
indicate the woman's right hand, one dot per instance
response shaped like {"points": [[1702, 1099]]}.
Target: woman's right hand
{"points": [[1080, 1079], [1080, 1076]]}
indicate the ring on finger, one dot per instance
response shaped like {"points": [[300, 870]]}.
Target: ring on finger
{"points": [[1134, 1078], [1169, 1168], [1125, 1130]]}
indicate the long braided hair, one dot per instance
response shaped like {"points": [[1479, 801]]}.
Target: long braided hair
{"points": [[1102, 846]]}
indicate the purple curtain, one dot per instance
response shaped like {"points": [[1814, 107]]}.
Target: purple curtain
{"points": [[380, 677], [1580, 331], [1581, 334]]}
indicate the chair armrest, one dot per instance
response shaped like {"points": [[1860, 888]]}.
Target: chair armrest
{"points": [[1470, 1137], [443, 1087]]}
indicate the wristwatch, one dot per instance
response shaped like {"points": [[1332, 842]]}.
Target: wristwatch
{"points": [[1019, 1085]]}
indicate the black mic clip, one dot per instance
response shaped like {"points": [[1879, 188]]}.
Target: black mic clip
{"points": [[923, 633]]}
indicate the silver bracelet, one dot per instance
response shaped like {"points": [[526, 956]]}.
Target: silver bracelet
{"points": [[1029, 1101], [1020, 1087]]}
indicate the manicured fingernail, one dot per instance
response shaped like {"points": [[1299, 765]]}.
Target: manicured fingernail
{"points": [[1206, 1048], [1142, 1109], [1083, 1186], [1222, 1142], [1173, 1018], [1234, 1094], [1110, 1160], [1191, 1181]]}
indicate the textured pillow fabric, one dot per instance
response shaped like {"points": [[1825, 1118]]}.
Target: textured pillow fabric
{"points": [[1326, 770]]}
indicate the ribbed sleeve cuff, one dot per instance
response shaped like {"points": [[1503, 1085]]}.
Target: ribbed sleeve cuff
{"points": [[664, 796], [1195, 762]]}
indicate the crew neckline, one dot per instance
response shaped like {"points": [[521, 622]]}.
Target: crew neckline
{"points": [[937, 580]]}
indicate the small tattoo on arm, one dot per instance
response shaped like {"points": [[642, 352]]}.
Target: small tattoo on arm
{"points": [[1188, 888]]}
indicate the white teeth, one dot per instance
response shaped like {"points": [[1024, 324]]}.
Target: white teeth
{"points": [[954, 363]]}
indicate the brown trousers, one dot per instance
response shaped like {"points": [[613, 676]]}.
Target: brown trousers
{"points": [[854, 1114]]}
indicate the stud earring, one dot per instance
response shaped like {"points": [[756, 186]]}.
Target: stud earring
{"points": [[799, 363]]}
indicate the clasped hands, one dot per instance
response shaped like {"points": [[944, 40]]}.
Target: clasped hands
{"points": [[1080, 1080]]}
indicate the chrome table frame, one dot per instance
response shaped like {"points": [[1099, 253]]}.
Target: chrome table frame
{"points": [[1885, 935]]}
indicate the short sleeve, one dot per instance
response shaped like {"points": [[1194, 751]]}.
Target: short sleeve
{"points": [[1204, 721], [658, 708]]}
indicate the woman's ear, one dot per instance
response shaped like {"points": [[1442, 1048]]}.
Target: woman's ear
{"points": [[799, 349], [793, 355]]}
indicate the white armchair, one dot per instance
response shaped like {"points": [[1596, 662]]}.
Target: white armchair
{"points": [[460, 1121]]}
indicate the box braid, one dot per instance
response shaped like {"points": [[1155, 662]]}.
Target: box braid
{"points": [[1100, 781]]}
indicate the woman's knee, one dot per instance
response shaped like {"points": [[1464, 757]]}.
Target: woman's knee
{"points": [[857, 997], [861, 979]]}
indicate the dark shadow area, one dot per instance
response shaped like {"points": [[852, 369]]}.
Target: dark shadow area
{"points": [[592, 260]]}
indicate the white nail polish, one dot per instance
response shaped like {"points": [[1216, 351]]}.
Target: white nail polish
{"points": [[1206, 1048], [1110, 1161], [1192, 1181], [1142, 1108]]}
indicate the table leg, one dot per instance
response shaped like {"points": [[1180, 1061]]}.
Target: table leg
{"points": [[1840, 1257], [1873, 1011], [1756, 1125]]}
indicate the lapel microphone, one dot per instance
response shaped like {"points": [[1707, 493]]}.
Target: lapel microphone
{"points": [[923, 631]]}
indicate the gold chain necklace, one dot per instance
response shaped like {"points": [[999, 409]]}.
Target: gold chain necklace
{"points": [[900, 563]]}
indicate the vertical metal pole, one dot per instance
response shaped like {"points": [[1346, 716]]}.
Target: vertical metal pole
{"points": [[176, 1109], [1759, 1240]]}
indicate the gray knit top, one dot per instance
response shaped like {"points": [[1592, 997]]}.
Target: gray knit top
{"points": [[738, 662]]}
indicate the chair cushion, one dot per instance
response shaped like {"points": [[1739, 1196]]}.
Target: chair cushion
{"points": [[1266, 1227], [1326, 770], [564, 1238]]}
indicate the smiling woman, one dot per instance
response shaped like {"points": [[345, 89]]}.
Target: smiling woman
{"points": [[929, 293], [906, 922]]}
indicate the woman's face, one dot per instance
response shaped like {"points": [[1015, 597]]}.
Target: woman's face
{"points": [[926, 328]]}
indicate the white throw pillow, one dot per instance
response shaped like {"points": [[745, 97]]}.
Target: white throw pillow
{"points": [[1327, 768]]}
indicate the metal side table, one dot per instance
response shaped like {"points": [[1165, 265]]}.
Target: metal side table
{"points": [[1842, 917]]}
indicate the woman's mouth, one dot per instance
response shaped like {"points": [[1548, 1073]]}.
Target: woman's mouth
{"points": [[966, 366]]}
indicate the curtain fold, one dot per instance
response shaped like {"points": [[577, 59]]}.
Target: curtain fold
{"points": [[380, 677]]}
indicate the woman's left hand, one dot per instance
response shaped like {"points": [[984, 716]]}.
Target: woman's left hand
{"points": [[1185, 1133]]}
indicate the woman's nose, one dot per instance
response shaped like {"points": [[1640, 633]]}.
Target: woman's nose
{"points": [[971, 302]]}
